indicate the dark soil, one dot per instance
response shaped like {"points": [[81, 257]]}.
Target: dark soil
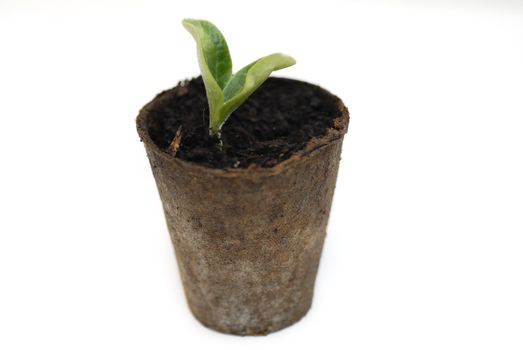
{"points": [[275, 122]]}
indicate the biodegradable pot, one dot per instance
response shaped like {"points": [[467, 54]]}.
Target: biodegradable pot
{"points": [[248, 241]]}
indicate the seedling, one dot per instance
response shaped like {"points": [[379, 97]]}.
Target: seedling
{"points": [[226, 91]]}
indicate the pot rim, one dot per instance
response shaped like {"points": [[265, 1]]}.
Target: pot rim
{"points": [[331, 135]]}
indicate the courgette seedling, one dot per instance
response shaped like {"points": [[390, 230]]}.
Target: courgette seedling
{"points": [[226, 91]]}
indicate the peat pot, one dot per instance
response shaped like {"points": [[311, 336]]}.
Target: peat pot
{"points": [[247, 234]]}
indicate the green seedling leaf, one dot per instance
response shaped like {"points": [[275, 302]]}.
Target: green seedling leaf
{"points": [[213, 58], [225, 91]]}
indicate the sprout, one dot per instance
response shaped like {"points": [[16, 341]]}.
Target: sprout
{"points": [[226, 91]]}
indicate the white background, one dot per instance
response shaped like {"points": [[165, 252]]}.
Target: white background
{"points": [[424, 246]]}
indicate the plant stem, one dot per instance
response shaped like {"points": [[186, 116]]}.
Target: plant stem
{"points": [[217, 136]]}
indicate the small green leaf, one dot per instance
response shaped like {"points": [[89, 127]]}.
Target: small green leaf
{"points": [[213, 49], [213, 58], [225, 91]]}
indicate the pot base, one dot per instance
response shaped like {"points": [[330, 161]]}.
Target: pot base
{"points": [[243, 330]]}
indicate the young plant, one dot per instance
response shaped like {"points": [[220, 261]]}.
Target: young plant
{"points": [[226, 91]]}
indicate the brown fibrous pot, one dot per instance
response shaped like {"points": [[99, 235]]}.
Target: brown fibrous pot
{"points": [[248, 240]]}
